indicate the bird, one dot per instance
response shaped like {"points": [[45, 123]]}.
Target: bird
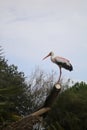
{"points": [[60, 62]]}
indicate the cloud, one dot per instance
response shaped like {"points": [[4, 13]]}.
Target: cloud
{"points": [[31, 29]]}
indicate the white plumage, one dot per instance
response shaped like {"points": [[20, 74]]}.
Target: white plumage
{"points": [[61, 62]]}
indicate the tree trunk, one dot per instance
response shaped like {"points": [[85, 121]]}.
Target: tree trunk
{"points": [[27, 122]]}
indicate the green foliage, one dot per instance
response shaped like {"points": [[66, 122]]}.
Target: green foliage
{"points": [[14, 100], [17, 98], [70, 110]]}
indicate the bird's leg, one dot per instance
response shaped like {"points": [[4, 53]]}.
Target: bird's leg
{"points": [[60, 74]]}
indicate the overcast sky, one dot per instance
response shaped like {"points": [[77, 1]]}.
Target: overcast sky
{"points": [[30, 29]]}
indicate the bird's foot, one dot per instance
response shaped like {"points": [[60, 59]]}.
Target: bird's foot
{"points": [[58, 82]]}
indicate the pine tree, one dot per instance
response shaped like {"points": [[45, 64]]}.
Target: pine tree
{"points": [[14, 100], [70, 110]]}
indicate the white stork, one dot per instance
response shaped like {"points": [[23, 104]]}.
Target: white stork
{"points": [[61, 62]]}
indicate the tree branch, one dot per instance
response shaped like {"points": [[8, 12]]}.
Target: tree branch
{"points": [[27, 122]]}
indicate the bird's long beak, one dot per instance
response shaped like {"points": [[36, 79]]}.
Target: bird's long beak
{"points": [[46, 56]]}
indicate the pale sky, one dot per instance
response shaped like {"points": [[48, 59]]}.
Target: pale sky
{"points": [[30, 29]]}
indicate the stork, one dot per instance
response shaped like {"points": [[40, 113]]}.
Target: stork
{"points": [[61, 62]]}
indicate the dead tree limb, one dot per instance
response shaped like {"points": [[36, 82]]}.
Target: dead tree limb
{"points": [[52, 96], [27, 122]]}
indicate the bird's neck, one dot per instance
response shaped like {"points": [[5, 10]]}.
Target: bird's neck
{"points": [[52, 58]]}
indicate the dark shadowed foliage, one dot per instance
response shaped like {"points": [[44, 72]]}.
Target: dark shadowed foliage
{"points": [[70, 110]]}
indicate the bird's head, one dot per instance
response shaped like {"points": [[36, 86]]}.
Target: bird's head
{"points": [[50, 54]]}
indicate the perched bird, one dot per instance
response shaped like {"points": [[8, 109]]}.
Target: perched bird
{"points": [[61, 62]]}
